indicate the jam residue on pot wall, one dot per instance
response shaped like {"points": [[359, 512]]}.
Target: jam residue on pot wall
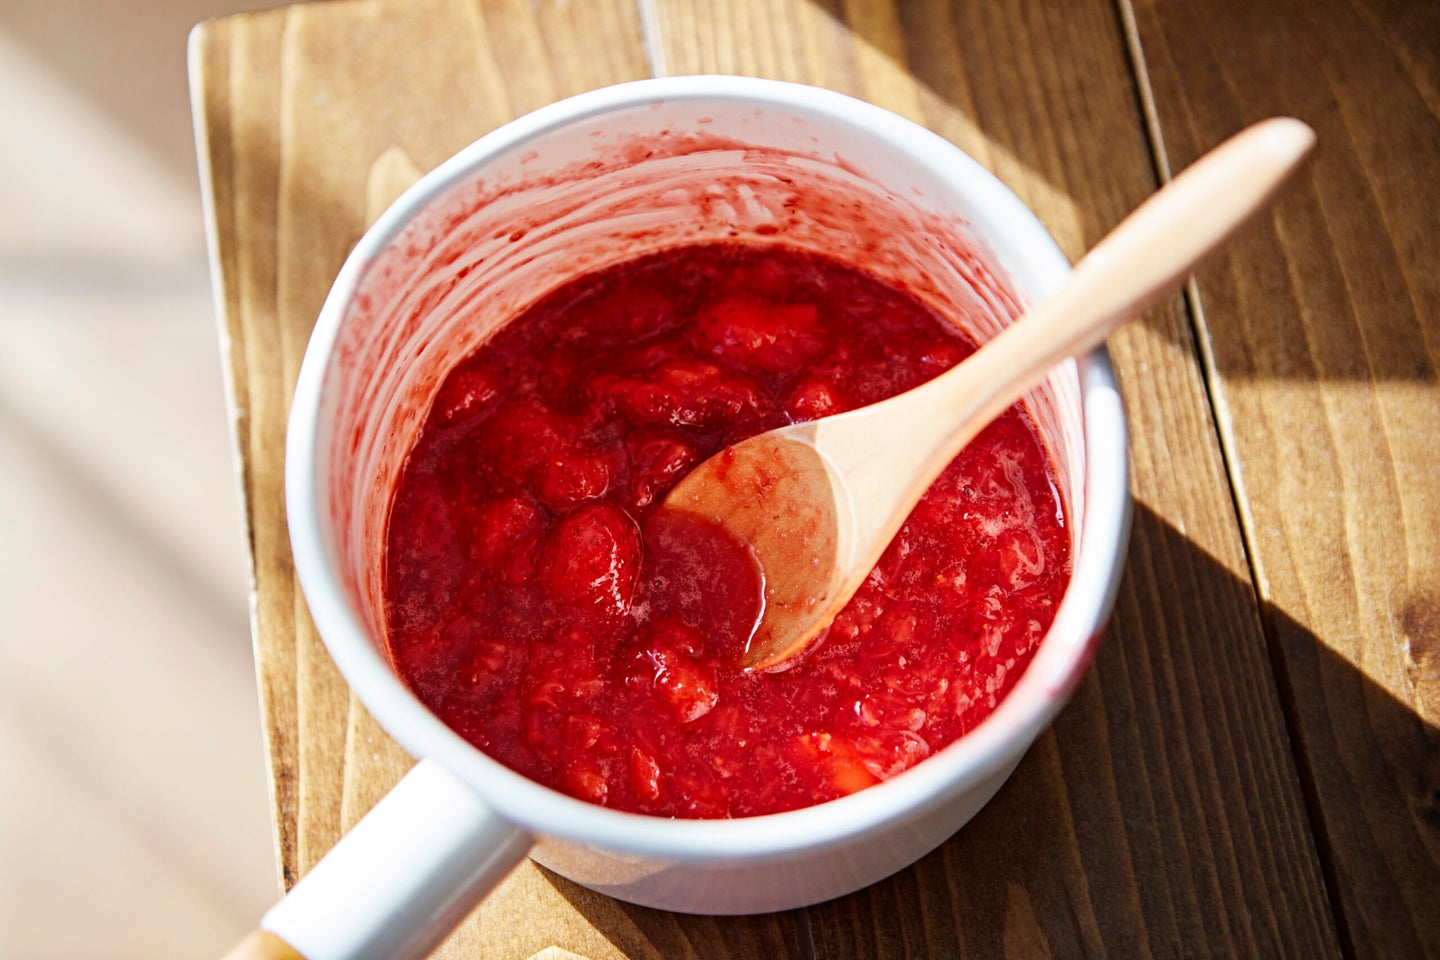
{"points": [[484, 250]]}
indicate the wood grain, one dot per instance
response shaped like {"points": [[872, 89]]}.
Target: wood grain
{"points": [[1164, 814], [1323, 338]]}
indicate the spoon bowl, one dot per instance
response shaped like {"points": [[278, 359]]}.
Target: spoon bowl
{"points": [[818, 502]]}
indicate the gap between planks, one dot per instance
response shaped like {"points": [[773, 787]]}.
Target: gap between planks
{"points": [[1195, 311]]}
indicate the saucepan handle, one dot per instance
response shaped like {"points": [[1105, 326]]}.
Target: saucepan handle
{"points": [[398, 882]]}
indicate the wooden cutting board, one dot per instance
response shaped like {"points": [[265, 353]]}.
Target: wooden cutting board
{"points": [[1166, 811]]}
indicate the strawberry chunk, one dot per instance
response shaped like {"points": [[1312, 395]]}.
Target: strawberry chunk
{"points": [[644, 775], [591, 560], [836, 759], [813, 398], [561, 685], [630, 309], [656, 465], [888, 754], [502, 535], [703, 798], [585, 781], [678, 391], [465, 393], [685, 685], [772, 338], [520, 438], [568, 479]]}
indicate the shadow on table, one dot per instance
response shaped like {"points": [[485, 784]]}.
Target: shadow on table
{"points": [[1164, 810]]}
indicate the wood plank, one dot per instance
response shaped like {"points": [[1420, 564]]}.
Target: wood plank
{"points": [[1323, 333], [303, 143], [1164, 813]]}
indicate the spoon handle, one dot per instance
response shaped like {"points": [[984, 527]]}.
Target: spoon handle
{"points": [[1146, 257], [1143, 259]]}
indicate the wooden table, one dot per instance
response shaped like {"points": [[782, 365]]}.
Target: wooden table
{"points": [[1253, 767]]}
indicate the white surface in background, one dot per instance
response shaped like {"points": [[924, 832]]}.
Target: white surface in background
{"points": [[133, 817]]}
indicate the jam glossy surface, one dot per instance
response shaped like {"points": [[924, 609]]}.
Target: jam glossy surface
{"points": [[533, 600]]}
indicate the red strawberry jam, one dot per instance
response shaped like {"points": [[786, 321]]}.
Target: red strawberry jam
{"points": [[535, 604]]}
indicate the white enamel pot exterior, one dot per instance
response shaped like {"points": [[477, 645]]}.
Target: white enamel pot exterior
{"points": [[576, 186]]}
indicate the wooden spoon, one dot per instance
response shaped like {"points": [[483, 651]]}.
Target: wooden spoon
{"points": [[818, 502]]}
